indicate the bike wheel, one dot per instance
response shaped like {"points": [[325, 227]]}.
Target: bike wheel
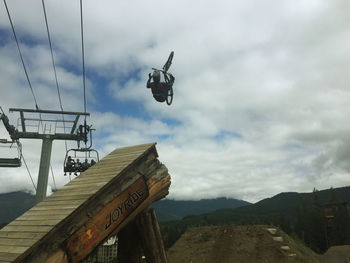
{"points": [[168, 63], [170, 95]]}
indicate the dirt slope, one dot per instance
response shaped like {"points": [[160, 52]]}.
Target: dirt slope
{"points": [[230, 244], [338, 254]]}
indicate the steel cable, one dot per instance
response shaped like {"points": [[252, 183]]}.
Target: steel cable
{"points": [[54, 68]]}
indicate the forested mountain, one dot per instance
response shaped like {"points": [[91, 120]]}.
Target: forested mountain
{"points": [[320, 218], [14, 204], [168, 210], [302, 214]]}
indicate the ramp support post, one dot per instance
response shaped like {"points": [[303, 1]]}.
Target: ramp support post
{"points": [[142, 232]]}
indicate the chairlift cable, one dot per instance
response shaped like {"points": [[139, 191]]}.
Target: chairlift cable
{"points": [[20, 54], [27, 76], [54, 69], [31, 178], [26, 73], [83, 62], [22, 60], [82, 52]]}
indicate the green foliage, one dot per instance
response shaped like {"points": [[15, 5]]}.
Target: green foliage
{"points": [[296, 214], [168, 210]]}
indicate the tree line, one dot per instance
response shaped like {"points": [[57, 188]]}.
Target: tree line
{"points": [[319, 225]]}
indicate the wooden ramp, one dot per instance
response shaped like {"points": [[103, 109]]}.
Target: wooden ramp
{"points": [[68, 225]]}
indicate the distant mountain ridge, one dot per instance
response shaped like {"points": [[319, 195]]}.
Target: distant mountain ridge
{"points": [[283, 204], [290, 211], [220, 210], [14, 204], [168, 210]]}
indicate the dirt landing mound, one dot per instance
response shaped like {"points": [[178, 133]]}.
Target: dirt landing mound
{"points": [[241, 244], [338, 254]]}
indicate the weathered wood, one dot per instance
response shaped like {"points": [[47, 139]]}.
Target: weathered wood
{"points": [[36, 217], [63, 227], [8, 256], [23, 235], [59, 203], [12, 249], [150, 236], [52, 212], [16, 241], [34, 229], [59, 257], [129, 245], [110, 217], [46, 222], [77, 196]]}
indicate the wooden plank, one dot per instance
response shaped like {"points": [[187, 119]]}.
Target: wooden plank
{"points": [[63, 204], [105, 178], [40, 217], [39, 222], [135, 148], [119, 162], [84, 186], [52, 212], [77, 196], [100, 174], [100, 226], [35, 229], [82, 201], [91, 179], [130, 156], [96, 183], [106, 167], [17, 241], [12, 249], [68, 193], [8, 256], [54, 207], [57, 203], [86, 177], [24, 235]]}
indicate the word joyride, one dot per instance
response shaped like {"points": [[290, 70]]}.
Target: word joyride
{"points": [[126, 207]]}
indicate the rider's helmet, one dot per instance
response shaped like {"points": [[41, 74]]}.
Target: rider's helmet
{"points": [[156, 76]]}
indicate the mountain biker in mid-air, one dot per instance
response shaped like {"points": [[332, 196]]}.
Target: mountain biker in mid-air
{"points": [[159, 89], [162, 90]]}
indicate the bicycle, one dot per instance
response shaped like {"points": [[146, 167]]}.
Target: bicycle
{"points": [[169, 79]]}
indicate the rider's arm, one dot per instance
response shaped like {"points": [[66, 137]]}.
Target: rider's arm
{"points": [[149, 81]]}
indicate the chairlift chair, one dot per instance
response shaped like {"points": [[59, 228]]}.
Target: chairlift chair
{"points": [[11, 162], [81, 153]]}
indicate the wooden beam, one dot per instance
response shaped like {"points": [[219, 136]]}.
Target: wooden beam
{"points": [[70, 224], [150, 236], [129, 245]]}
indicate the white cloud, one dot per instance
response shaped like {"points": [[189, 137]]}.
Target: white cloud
{"points": [[261, 90]]}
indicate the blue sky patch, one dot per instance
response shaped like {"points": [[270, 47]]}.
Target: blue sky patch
{"points": [[225, 134]]}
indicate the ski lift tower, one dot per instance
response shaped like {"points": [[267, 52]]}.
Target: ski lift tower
{"points": [[48, 125]]}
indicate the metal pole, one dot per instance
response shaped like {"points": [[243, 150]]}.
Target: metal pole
{"points": [[44, 168]]}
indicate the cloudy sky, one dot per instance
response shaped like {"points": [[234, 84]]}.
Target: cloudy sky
{"points": [[262, 94]]}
